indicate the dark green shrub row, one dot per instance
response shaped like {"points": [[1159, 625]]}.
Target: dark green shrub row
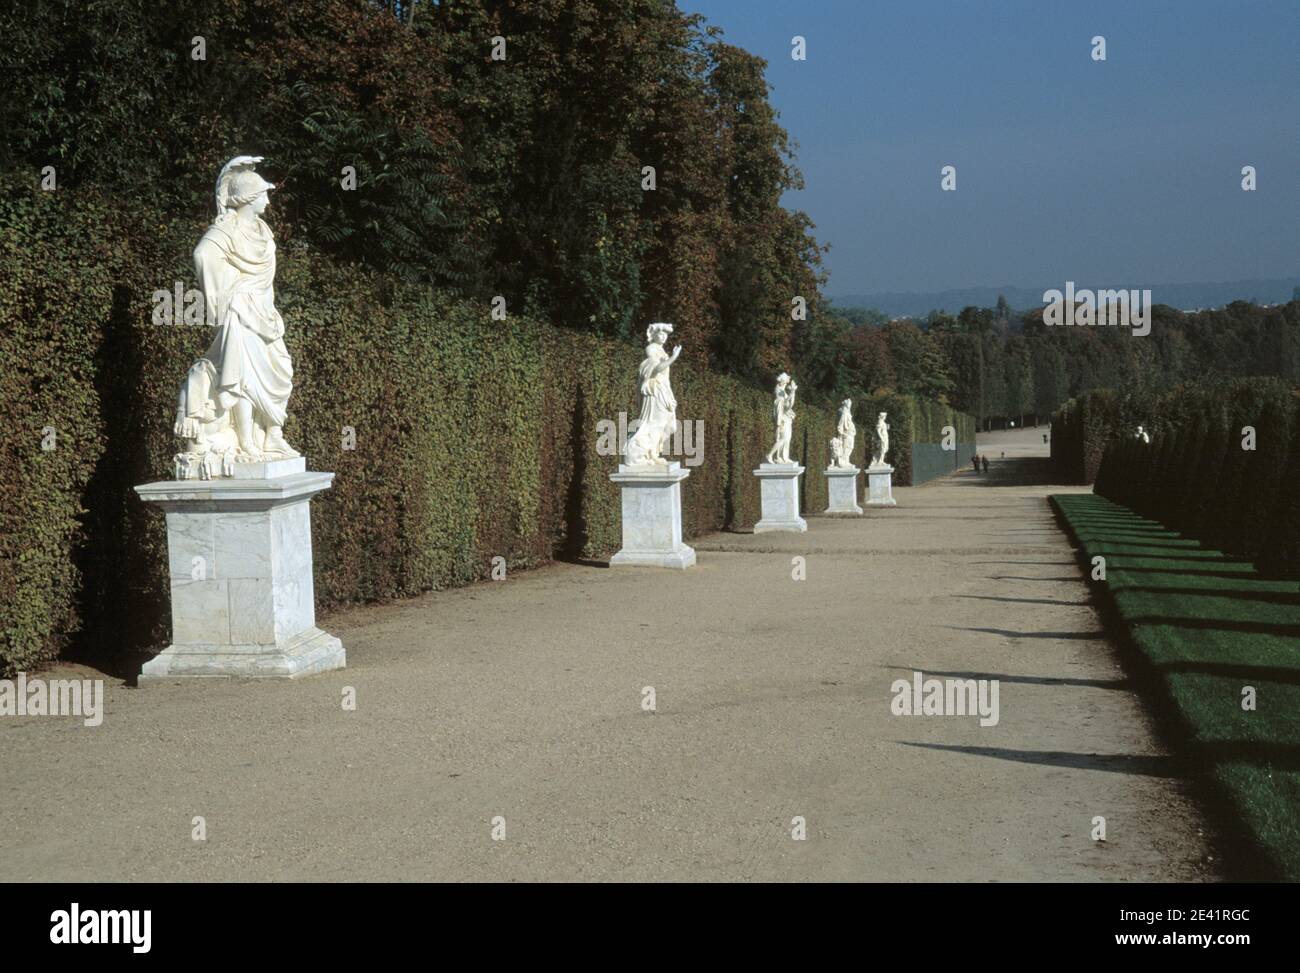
{"points": [[473, 437], [1204, 624], [1198, 476], [1081, 430]]}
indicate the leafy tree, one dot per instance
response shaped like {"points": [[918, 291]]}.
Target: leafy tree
{"points": [[964, 356], [856, 316], [1020, 379], [1051, 384], [871, 368]]}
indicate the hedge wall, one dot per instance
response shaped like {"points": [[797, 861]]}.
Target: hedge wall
{"points": [[915, 422], [473, 438], [1080, 431], [1196, 477]]}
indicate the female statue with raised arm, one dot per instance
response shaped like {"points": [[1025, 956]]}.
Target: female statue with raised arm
{"points": [[783, 413], [658, 419]]}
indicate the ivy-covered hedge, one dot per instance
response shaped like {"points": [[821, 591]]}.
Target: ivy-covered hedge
{"points": [[473, 437], [1222, 466]]}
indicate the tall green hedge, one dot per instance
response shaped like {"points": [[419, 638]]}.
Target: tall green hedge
{"points": [[914, 421], [1196, 475], [1080, 431], [473, 437]]}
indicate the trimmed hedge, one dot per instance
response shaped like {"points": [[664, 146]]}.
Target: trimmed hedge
{"points": [[1196, 477], [915, 422], [1205, 624], [1080, 431], [473, 438]]}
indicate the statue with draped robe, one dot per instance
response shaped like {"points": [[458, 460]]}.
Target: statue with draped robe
{"points": [[654, 427], [232, 404]]}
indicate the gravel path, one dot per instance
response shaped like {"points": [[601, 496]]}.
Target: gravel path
{"points": [[523, 699]]}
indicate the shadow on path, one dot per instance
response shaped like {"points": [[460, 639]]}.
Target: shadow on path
{"points": [[1008, 633], [1111, 763], [1124, 684]]}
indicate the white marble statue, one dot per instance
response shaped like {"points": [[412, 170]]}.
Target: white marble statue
{"points": [[1142, 435], [658, 419], [882, 440], [783, 414], [231, 406], [842, 445]]}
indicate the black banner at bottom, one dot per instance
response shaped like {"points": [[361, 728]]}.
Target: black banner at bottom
{"points": [[333, 922]]}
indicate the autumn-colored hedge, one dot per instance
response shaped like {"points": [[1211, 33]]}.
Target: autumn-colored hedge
{"points": [[473, 437]]}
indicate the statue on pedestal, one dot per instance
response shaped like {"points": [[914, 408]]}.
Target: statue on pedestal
{"points": [[882, 440], [231, 406], [783, 413], [657, 422], [842, 445]]}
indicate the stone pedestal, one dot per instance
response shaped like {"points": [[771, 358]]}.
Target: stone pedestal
{"points": [[652, 517], [842, 490], [780, 486], [880, 486], [239, 559]]}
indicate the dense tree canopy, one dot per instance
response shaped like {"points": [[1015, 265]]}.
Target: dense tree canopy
{"points": [[499, 148]]}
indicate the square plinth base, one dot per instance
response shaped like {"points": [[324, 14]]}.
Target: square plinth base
{"points": [[779, 483], [681, 558], [311, 652], [652, 517], [880, 490], [842, 490], [240, 567]]}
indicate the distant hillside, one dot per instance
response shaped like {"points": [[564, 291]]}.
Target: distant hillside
{"points": [[1183, 296]]}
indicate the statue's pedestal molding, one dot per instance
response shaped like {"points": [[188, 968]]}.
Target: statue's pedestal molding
{"points": [[880, 489], [842, 490], [780, 485], [652, 517], [240, 566]]}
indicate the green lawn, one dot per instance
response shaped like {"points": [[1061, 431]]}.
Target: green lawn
{"points": [[1209, 625]]}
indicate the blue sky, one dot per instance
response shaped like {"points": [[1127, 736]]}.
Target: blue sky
{"points": [[1124, 171]]}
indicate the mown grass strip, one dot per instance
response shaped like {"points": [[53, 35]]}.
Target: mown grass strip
{"points": [[1209, 626]]}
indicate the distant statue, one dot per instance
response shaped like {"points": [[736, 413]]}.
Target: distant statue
{"points": [[842, 445], [882, 440], [1141, 435], [783, 413], [231, 406], [658, 419]]}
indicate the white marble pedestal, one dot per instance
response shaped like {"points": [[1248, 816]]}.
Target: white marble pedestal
{"points": [[780, 485], [880, 488], [842, 490], [240, 564], [652, 517]]}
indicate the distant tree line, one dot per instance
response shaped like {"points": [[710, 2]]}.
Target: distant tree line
{"points": [[1003, 368]]}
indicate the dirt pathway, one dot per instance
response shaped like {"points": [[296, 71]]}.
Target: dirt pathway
{"points": [[523, 699]]}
